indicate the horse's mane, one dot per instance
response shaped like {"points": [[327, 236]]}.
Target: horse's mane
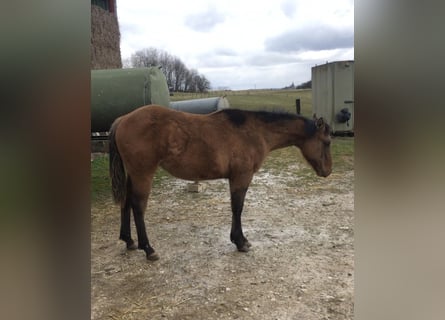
{"points": [[238, 118]]}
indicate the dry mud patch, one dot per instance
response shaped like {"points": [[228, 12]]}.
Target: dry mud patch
{"points": [[301, 264]]}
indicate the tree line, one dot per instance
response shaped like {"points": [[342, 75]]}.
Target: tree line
{"points": [[304, 85], [179, 77]]}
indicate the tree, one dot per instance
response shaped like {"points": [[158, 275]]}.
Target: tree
{"points": [[145, 58], [178, 76], [179, 73], [305, 85], [190, 81], [203, 83], [167, 68]]}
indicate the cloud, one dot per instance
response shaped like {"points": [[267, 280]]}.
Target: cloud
{"points": [[278, 43], [311, 38], [220, 57], [129, 27], [289, 7], [250, 77], [204, 21], [224, 58], [269, 59], [225, 52]]}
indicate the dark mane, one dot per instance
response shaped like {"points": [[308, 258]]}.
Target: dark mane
{"points": [[238, 118]]}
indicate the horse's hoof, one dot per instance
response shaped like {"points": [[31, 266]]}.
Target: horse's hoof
{"points": [[153, 256], [132, 246], [245, 247]]}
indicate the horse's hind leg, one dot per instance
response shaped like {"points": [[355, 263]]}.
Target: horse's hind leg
{"points": [[139, 197], [125, 232], [139, 204], [238, 189]]}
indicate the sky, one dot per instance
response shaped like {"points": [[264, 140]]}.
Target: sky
{"points": [[242, 44]]}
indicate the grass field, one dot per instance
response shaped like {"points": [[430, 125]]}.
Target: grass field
{"points": [[276, 100]]}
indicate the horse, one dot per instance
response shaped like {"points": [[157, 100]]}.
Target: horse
{"points": [[229, 144]]}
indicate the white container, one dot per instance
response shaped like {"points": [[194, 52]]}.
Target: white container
{"points": [[333, 95]]}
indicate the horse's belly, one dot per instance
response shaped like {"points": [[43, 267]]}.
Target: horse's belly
{"points": [[193, 172]]}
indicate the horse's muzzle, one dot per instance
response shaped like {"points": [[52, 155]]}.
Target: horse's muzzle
{"points": [[323, 173]]}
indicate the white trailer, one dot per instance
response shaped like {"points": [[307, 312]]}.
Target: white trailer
{"points": [[333, 95]]}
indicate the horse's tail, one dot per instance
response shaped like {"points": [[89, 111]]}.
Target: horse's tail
{"points": [[117, 170]]}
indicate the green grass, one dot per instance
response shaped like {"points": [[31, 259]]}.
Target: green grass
{"points": [[342, 152], [100, 179], [342, 149], [282, 100]]}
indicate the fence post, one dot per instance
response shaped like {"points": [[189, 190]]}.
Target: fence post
{"points": [[297, 104]]}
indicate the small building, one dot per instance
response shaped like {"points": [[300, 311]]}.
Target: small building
{"points": [[333, 95], [105, 35]]}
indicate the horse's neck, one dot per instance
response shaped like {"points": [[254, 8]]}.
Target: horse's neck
{"points": [[282, 136]]}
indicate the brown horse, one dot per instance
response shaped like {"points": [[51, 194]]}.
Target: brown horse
{"points": [[230, 144]]}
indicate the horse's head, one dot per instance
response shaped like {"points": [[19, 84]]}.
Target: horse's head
{"points": [[316, 149]]}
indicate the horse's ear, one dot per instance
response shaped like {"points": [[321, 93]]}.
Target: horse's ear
{"points": [[319, 123]]}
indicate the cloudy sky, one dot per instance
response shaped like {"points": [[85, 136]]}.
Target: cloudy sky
{"points": [[242, 44]]}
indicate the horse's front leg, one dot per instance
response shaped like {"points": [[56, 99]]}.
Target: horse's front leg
{"points": [[238, 189]]}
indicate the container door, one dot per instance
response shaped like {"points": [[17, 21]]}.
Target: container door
{"points": [[344, 97]]}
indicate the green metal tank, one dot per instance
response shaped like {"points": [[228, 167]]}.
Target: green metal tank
{"points": [[115, 92]]}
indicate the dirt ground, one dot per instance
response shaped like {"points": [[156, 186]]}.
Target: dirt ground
{"points": [[301, 264]]}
